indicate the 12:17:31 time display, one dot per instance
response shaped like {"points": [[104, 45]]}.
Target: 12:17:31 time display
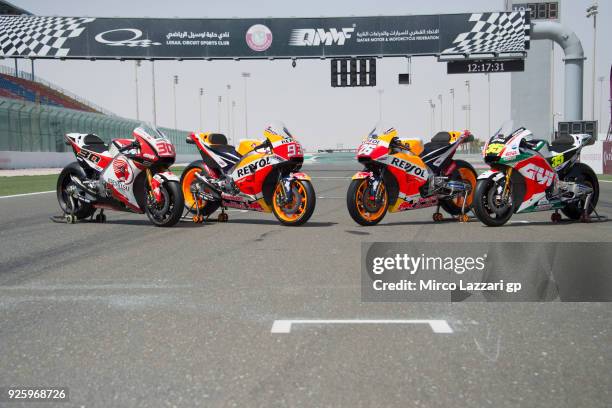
{"points": [[485, 67]]}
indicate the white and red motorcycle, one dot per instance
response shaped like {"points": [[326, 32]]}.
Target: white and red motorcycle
{"points": [[127, 175]]}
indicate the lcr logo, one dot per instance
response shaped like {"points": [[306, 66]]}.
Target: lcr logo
{"points": [[312, 37]]}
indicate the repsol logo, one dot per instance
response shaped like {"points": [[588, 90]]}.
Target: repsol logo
{"points": [[409, 167], [253, 167]]}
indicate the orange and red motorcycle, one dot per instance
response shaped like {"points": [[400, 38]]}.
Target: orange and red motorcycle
{"points": [[259, 176], [404, 174]]}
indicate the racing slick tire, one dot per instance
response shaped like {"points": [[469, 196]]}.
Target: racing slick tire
{"points": [[83, 210], [169, 212], [583, 174], [300, 209], [359, 207], [187, 179], [466, 173]]}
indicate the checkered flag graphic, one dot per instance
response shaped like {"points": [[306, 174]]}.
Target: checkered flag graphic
{"points": [[38, 36], [493, 32]]}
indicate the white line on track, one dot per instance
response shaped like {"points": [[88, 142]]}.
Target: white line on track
{"points": [[605, 181], [284, 326], [28, 194]]}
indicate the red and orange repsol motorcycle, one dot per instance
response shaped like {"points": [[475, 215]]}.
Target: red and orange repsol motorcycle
{"points": [[404, 174], [259, 176]]}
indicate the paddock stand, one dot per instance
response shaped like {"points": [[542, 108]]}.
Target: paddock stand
{"points": [[585, 217], [463, 217], [71, 218]]}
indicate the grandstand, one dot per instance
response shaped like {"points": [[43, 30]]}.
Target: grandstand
{"points": [[31, 91]]}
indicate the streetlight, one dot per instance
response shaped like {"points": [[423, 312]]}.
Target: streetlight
{"points": [[219, 114], [441, 112], [246, 75], [601, 89], [432, 118], [136, 66], [229, 119], [233, 120], [380, 93], [201, 97], [468, 106], [175, 83], [592, 12], [452, 92], [489, 90]]}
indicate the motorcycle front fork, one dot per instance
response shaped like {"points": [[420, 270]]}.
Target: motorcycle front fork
{"points": [[286, 191]]}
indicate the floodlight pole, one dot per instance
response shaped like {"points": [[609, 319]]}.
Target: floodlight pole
{"points": [[592, 12], [441, 112], [246, 75], [489, 91], [219, 100], [229, 88], [136, 66], [154, 99], [175, 83], [469, 104], [452, 92], [201, 97], [380, 93]]}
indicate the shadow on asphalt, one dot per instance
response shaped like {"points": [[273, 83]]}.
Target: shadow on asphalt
{"points": [[275, 222], [146, 223]]}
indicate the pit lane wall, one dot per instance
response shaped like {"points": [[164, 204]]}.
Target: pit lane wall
{"points": [[31, 135]]}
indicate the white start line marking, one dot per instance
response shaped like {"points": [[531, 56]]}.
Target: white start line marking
{"points": [[28, 194], [284, 326]]}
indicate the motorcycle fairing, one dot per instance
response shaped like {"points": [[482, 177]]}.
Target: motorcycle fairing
{"points": [[90, 150], [119, 178]]}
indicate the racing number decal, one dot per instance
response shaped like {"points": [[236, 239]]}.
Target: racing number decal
{"points": [[94, 158], [293, 150], [557, 160], [164, 148], [494, 148]]}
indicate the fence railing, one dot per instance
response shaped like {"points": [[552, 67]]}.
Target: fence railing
{"points": [[31, 127], [28, 75]]}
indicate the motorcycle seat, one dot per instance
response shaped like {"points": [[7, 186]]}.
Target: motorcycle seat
{"points": [[218, 144], [562, 144], [94, 143], [439, 141]]}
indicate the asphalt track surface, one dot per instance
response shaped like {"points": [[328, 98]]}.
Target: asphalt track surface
{"points": [[126, 314]]}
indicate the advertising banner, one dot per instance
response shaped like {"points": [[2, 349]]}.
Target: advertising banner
{"points": [[154, 38], [607, 157]]}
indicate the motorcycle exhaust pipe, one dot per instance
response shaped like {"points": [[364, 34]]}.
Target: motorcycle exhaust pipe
{"points": [[213, 190]]}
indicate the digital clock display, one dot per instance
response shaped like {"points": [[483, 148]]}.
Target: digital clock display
{"points": [[540, 11], [485, 67]]}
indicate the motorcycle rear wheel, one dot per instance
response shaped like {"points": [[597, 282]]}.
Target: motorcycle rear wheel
{"points": [[584, 175], [188, 179], [83, 210], [465, 173]]}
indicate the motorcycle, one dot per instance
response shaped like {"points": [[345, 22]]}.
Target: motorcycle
{"points": [[530, 175], [127, 175], [404, 174], [257, 176]]}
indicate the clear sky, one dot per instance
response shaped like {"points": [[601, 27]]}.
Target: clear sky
{"points": [[320, 116]]}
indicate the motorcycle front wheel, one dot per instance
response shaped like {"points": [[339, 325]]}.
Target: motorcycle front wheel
{"points": [[487, 205], [363, 206], [301, 206], [168, 211]]}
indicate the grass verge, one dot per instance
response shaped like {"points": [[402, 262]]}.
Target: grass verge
{"points": [[34, 184]]}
